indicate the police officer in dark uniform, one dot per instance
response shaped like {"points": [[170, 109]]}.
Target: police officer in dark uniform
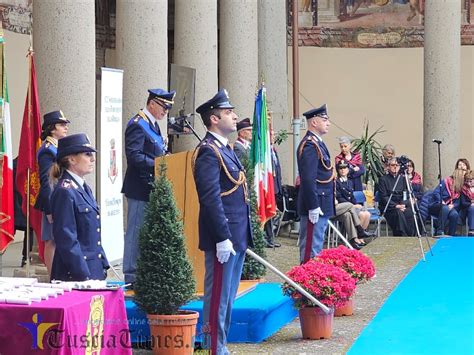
{"points": [[55, 127], [143, 143], [79, 254], [224, 218], [316, 193]]}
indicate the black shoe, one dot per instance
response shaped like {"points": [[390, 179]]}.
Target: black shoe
{"points": [[272, 244], [355, 245]]}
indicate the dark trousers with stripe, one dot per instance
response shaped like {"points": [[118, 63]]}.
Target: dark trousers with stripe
{"points": [[311, 237], [221, 283]]}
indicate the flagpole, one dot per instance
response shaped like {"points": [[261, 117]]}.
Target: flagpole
{"points": [[28, 236], [287, 279]]}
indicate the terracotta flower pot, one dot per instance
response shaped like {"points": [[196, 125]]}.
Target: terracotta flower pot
{"points": [[315, 324], [346, 310], [173, 334]]}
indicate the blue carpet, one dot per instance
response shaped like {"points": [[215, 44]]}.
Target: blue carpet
{"points": [[431, 311], [255, 316]]}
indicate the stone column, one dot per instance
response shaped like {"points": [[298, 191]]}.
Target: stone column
{"points": [[442, 86], [64, 43], [141, 51], [195, 46], [273, 66], [238, 53]]}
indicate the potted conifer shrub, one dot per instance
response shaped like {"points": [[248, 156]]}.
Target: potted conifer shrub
{"points": [[164, 277]]}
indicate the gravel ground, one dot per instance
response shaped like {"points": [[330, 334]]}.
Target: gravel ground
{"points": [[394, 257]]}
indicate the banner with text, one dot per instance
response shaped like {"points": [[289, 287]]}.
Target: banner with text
{"points": [[110, 160]]}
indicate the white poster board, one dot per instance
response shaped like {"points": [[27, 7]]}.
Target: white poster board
{"points": [[110, 160]]}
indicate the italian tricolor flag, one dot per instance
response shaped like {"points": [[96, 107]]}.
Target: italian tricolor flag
{"points": [[6, 166], [261, 158]]}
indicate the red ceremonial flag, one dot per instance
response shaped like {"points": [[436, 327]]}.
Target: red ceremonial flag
{"points": [[30, 142], [7, 225], [261, 158]]}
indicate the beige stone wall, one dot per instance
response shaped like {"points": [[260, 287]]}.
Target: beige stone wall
{"points": [[17, 73], [383, 86]]}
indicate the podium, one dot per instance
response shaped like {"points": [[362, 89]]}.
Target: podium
{"points": [[180, 173]]}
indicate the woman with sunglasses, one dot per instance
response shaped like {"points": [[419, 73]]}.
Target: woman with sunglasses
{"points": [[79, 254], [55, 127]]}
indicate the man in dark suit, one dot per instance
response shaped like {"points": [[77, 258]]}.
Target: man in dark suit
{"points": [[394, 197], [143, 143], [244, 139], [316, 193], [224, 218]]}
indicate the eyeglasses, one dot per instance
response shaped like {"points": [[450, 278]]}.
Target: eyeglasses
{"points": [[166, 108], [343, 167], [394, 164]]}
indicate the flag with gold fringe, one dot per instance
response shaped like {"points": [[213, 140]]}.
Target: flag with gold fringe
{"points": [[30, 142]]}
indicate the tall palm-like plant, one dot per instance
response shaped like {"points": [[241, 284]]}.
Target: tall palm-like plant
{"points": [[370, 151]]}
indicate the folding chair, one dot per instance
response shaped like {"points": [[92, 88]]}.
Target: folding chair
{"points": [[375, 216], [287, 207]]}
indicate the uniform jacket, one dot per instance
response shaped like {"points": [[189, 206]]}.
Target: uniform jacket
{"points": [[46, 157], [240, 150], [76, 228], [354, 176], [276, 173], [316, 176], [220, 217], [143, 143], [345, 191]]}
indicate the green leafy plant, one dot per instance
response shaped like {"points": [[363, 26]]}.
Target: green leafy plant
{"points": [[252, 269], [281, 136], [164, 277], [370, 151]]}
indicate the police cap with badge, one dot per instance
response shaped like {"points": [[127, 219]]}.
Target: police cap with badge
{"points": [[317, 112], [74, 144], [162, 97], [53, 118], [218, 101]]}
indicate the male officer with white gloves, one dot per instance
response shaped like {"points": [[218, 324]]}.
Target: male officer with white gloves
{"points": [[316, 193], [224, 218]]}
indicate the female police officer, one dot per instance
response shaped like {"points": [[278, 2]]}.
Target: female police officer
{"points": [[55, 127], [76, 222]]}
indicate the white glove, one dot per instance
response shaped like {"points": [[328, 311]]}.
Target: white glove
{"points": [[313, 215], [223, 251]]}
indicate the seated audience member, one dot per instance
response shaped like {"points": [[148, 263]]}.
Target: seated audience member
{"points": [[467, 201], [388, 152], [415, 179], [447, 203], [347, 212], [79, 254], [398, 213], [244, 139], [462, 164], [354, 162]]}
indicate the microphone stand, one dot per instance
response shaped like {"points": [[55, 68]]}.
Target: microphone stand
{"points": [[439, 160], [187, 124]]}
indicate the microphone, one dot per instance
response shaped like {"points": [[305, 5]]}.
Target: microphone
{"points": [[438, 141], [179, 119]]}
